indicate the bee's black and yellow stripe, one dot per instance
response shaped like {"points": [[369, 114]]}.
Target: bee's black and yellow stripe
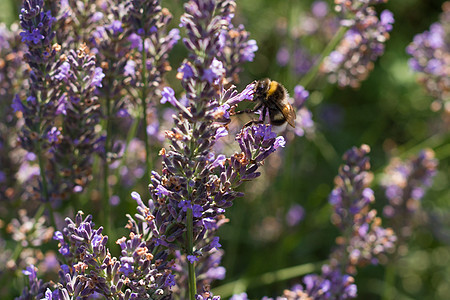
{"points": [[273, 98], [275, 94]]}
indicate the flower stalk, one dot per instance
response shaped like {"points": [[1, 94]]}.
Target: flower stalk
{"points": [[312, 73]]}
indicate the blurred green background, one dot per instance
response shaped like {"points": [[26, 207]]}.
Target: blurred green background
{"points": [[390, 112]]}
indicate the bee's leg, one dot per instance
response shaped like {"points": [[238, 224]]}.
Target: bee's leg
{"points": [[252, 122], [248, 111], [245, 111], [264, 112]]}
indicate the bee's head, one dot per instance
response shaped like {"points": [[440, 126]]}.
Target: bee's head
{"points": [[262, 86]]}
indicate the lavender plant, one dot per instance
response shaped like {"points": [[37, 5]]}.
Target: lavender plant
{"points": [[61, 111], [91, 269], [361, 44], [196, 185], [148, 24], [303, 121], [351, 201], [405, 184], [173, 249], [319, 26], [363, 240], [74, 143], [350, 42], [237, 49], [40, 107], [112, 48], [189, 198], [37, 288], [77, 21], [430, 56], [11, 64]]}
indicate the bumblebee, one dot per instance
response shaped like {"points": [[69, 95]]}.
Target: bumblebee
{"points": [[273, 98]]}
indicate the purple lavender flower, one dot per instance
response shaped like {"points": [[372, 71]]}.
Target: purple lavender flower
{"points": [[168, 95], [295, 215], [97, 78], [237, 49], [319, 9], [332, 284], [40, 109], [63, 71], [115, 27], [30, 271], [362, 240], [37, 26], [318, 25], [362, 44], [194, 188], [349, 9], [303, 121], [53, 135], [74, 144], [258, 142], [214, 72], [208, 269], [351, 199], [242, 296], [12, 71], [136, 272], [36, 287], [430, 53], [405, 184]]}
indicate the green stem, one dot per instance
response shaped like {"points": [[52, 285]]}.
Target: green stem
{"points": [[244, 283], [42, 171], [330, 46], [48, 205], [144, 110], [325, 148], [131, 134], [106, 209], [42, 168], [389, 279], [19, 247], [190, 251]]}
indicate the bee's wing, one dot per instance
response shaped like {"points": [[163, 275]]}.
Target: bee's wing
{"points": [[288, 112]]}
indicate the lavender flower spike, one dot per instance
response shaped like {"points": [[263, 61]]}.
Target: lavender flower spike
{"points": [[363, 239], [362, 44], [40, 108], [351, 200], [196, 185], [136, 274], [405, 184], [430, 56], [80, 111]]}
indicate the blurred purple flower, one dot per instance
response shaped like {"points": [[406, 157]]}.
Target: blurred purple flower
{"points": [[430, 53], [405, 183], [115, 27], [283, 56], [353, 59], [319, 9], [98, 77], [295, 215]]}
